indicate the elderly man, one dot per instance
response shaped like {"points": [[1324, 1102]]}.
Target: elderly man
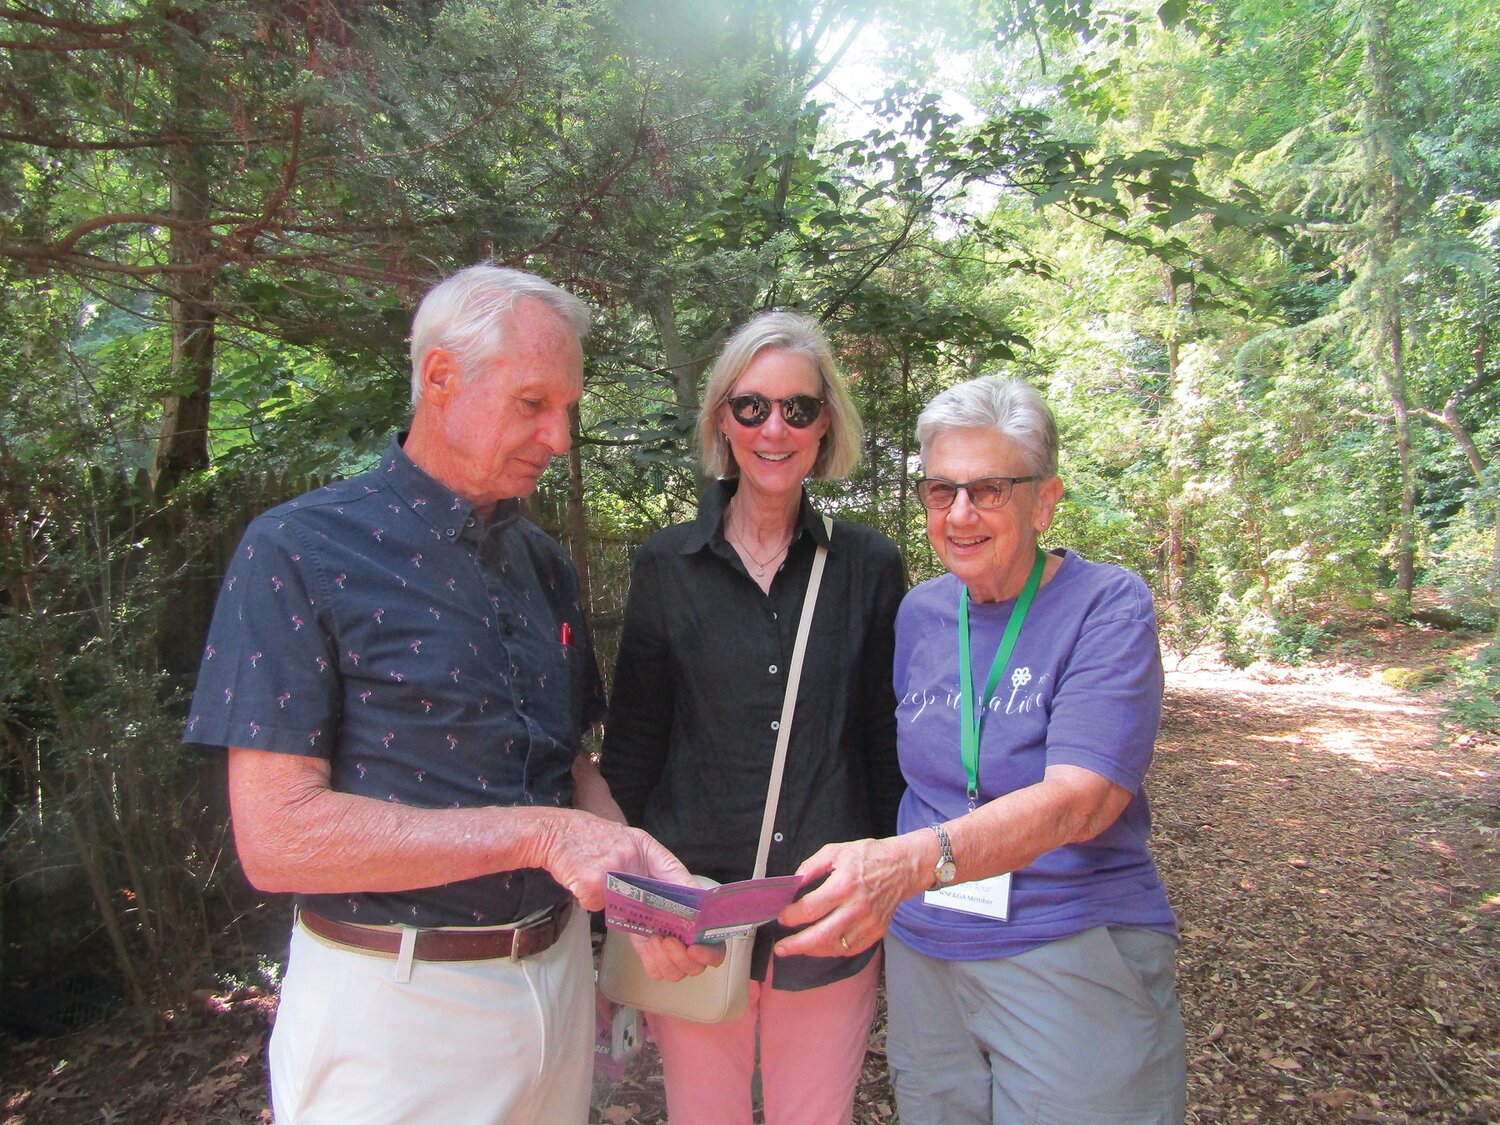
{"points": [[400, 669]]}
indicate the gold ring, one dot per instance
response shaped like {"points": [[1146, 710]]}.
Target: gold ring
{"points": [[844, 942]]}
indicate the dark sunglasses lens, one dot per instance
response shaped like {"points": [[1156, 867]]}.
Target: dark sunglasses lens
{"points": [[800, 411], [750, 410]]}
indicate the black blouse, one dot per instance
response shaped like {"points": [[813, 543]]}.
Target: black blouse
{"points": [[698, 690]]}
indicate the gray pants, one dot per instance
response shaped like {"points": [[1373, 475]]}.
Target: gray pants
{"points": [[1081, 1031]]}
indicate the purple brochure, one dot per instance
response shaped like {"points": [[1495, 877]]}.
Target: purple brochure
{"points": [[694, 915]]}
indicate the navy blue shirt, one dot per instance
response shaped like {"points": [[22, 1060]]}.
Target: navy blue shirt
{"points": [[433, 659]]}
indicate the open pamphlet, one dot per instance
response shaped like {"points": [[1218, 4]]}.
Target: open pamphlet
{"points": [[695, 915]]}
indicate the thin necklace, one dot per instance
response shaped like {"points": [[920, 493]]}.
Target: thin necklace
{"points": [[760, 565]]}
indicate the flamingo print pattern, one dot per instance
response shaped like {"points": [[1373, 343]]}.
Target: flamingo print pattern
{"points": [[430, 659]]}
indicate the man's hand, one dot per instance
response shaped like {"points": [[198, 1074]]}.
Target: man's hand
{"points": [[578, 848]]}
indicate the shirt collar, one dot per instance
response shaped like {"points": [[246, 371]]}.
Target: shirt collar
{"points": [[708, 526], [439, 506]]}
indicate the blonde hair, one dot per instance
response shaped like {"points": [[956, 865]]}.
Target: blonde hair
{"points": [[792, 332]]}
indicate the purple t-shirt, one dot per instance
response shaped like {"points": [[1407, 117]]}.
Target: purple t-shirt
{"points": [[1083, 688]]}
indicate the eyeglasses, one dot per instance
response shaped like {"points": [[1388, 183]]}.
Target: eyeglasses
{"points": [[984, 492], [798, 411]]}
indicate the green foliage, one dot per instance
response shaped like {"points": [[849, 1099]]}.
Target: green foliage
{"points": [[88, 725], [1475, 701], [1465, 571], [1257, 635]]}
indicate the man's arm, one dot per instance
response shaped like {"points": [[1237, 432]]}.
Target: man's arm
{"points": [[295, 833]]}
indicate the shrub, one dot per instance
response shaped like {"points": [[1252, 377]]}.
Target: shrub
{"points": [[1475, 703]]}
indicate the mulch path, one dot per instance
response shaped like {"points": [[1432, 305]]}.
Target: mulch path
{"points": [[1333, 853]]}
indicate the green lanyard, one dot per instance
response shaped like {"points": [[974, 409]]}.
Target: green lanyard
{"points": [[971, 717]]}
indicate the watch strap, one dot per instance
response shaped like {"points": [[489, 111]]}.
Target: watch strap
{"points": [[943, 871]]}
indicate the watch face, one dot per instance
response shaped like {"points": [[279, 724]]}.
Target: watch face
{"points": [[946, 870]]}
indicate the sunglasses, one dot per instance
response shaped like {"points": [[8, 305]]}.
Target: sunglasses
{"points": [[797, 411], [984, 492]]}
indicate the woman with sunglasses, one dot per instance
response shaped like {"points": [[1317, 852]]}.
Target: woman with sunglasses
{"points": [[1030, 951], [702, 670]]}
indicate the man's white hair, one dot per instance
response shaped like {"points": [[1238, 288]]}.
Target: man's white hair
{"points": [[465, 314]]}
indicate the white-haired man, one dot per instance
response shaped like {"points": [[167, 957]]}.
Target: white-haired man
{"points": [[400, 669]]}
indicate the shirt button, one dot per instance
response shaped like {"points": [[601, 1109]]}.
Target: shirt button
{"points": [[778, 837], [451, 533], [775, 724], [772, 669]]}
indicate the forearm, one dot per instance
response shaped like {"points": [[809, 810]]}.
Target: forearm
{"points": [[1069, 805], [314, 840], [295, 833], [868, 879], [591, 793]]}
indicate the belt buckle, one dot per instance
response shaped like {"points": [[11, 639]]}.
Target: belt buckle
{"points": [[527, 927]]}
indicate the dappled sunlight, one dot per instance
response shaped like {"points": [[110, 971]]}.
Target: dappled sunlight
{"points": [[1355, 719], [1443, 848], [1353, 744]]}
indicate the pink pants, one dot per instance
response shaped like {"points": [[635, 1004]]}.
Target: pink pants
{"points": [[812, 1046]]}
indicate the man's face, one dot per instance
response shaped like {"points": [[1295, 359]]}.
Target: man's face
{"points": [[495, 429]]}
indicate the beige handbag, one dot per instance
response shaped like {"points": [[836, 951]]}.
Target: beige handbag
{"points": [[716, 995], [720, 993]]}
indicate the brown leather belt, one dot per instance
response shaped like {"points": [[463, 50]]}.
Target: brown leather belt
{"points": [[524, 939]]}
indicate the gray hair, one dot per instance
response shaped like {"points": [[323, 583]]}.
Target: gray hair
{"points": [[791, 332], [465, 314], [1009, 407]]}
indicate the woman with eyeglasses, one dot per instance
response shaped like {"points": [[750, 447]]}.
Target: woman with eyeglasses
{"points": [[1030, 951], [695, 706]]}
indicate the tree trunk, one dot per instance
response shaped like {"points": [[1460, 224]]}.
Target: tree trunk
{"points": [[1173, 549], [182, 446], [1394, 378], [685, 369], [1382, 165]]}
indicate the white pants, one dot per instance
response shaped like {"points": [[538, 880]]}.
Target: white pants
{"points": [[462, 1043]]}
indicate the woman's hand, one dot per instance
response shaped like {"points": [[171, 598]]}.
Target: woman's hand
{"points": [[666, 958], [867, 880]]}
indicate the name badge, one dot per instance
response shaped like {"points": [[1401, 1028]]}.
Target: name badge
{"points": [[988, 898]]}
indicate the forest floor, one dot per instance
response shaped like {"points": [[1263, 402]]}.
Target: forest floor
{"points": [[1332, 851]]}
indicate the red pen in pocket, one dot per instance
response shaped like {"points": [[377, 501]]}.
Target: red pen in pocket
{"points": [[567, 634]]}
